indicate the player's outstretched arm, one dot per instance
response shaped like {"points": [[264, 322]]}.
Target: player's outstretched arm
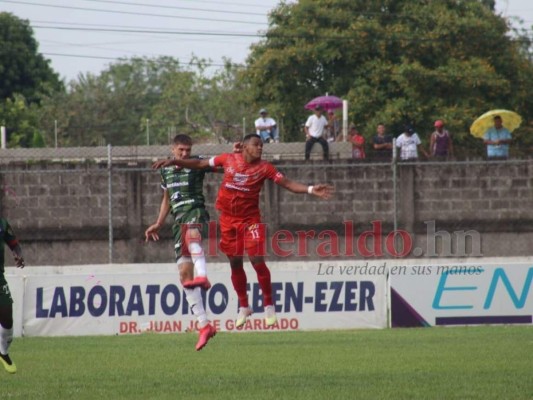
{"points": [[153, 230], [192, 163], [237, 147], [17, 255], [320, 190]]}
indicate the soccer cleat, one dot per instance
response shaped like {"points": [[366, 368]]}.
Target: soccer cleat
{"points": [[244, 313], [8, 364], [270, 317], [206, 333], [200, 281]]}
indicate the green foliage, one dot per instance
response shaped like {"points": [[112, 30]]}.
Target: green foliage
{"points": [[20, 118], [208, 107], [110, 107], [22, 69], [140, 96], [394, 61], [25, 77], [37, 140]]}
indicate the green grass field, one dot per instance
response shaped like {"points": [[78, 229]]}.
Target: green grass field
{"points": [[432, 363]]}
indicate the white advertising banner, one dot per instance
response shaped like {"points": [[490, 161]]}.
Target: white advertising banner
{"points": [[444, 295], [306, 297]]}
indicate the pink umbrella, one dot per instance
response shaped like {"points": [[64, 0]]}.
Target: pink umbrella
{"points": [[326, 102]]}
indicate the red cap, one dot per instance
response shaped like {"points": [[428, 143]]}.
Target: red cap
{"points": [[439, 123]]}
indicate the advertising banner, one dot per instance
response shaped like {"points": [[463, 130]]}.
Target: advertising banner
{"points": [[444, 295], [129, 303]]}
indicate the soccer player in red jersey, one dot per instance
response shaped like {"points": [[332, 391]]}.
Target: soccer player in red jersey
{"points": [[240, 219]]}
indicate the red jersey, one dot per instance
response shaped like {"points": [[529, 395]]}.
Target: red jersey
{"points": [[239, 192]]}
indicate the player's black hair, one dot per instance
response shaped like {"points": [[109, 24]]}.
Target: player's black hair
{"points": [[250, 136], [182, 139]]}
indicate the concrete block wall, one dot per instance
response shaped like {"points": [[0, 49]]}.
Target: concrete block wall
{"points": [[60, 210], [487, 197]]}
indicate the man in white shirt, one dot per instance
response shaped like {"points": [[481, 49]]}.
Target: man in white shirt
{"points": [[409, 143], [315, 129], [266, 127]]}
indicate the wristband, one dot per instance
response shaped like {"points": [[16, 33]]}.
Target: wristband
{"points": [[310, 189]]}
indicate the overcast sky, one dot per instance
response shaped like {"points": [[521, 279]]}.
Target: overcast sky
{"points": [[91, 49]]}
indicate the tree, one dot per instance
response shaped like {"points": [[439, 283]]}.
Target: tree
{"points": [[209, 107], [23, 69], [25, 77], [491, 4], [395, 61], [20, 119], [111, 107], [115, 106]]}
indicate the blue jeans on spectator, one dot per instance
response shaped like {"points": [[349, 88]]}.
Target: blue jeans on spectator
{"points": [[270, 136]]}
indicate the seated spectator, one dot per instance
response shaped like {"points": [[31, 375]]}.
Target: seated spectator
{"points": [[266, 127], [441, 142], [409, 143], [382, 144]]}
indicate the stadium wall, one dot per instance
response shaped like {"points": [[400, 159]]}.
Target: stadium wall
{"points": [[60, 210]]}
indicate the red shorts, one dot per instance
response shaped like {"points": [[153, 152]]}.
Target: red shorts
{"points": [[240, 235]]}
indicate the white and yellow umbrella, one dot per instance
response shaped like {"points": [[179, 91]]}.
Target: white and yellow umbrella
{"points": [[510, 119]]}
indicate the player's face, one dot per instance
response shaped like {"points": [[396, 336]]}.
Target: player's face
{"points": [[253, 149], [181, 151], [381, 129]]}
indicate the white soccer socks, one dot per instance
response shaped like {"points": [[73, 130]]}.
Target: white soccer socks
{"points": [[198, 258], [194, 298], [6, 337]]}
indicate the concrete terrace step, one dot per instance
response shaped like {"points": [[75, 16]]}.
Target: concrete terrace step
{"points": [[271, 151]]}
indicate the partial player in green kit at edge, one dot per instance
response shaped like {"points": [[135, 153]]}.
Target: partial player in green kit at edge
{"points": [[6, 301]]}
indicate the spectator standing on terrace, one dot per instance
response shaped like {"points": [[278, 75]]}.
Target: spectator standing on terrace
{"points": [[441, 142], [333, 126], [382, 144], [409, 143], [497, 140], [358, 144], [315, 129]]}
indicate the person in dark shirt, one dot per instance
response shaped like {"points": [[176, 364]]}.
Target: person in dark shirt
{"points": [[382, 144]]}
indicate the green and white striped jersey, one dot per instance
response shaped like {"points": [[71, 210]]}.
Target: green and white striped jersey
{"points": [[7, 237], [184, 187]]}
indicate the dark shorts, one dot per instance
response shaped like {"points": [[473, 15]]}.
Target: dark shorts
{"points": [[197, 218], [5, 295]]}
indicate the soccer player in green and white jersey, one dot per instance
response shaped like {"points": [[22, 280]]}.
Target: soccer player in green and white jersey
{"points": [[6, 302], [183, 197]]}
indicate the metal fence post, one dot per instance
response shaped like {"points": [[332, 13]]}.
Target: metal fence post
{"points": [[110, 202], [395, 184]]}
